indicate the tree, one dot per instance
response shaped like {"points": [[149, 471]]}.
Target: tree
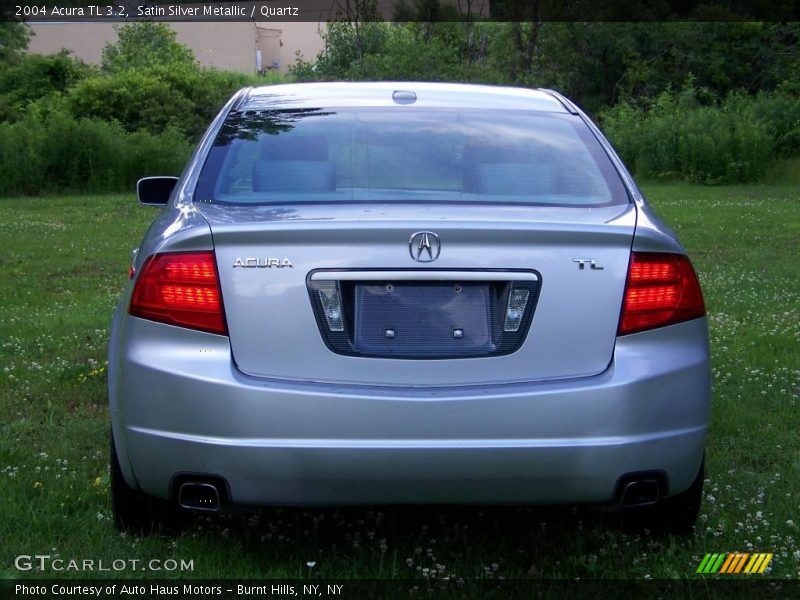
{"points": [[356, 20], [35, 76], [13, 41], [145, 44]]}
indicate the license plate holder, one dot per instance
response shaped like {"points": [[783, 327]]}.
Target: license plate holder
{"points": [[423, 320]]}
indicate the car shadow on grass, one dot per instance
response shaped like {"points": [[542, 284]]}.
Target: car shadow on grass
{"points": [[418, 541]]}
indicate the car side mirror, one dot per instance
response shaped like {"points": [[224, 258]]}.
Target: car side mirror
{"points": [[155, 191]]}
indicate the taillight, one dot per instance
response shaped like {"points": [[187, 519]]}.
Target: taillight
{"points": [[661, 289], [180, 289]]}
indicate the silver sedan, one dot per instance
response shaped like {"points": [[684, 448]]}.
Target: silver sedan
{"points": [[365, 293]]}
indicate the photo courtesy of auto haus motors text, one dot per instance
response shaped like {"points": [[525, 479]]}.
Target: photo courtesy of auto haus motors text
{"points": [[178, 590]]}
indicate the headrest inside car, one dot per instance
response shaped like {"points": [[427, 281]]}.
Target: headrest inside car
{"points": [[294, 147]]}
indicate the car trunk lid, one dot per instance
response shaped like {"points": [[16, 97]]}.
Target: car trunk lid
{"points": [[401, 315]]}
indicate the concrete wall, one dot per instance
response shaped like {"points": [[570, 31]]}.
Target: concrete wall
{"points": [[230, 46]]}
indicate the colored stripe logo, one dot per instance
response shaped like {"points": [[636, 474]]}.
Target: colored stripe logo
{"points": [[734, 562]]}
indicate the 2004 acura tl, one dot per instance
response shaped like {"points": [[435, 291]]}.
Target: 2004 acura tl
{"points": [[363, 293]]}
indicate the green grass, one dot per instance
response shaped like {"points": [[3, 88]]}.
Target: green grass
{"points": [[64, 261]]}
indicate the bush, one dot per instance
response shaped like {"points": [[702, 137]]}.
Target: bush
{"points": [[723, 146], [780, 113], [62, 154], [676, 137], [33, 77], [13, 41], [156, 98], [405, 52], [144, 44]]}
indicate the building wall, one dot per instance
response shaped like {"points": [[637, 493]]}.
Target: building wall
{"points": [[229, 46], [281, 41], [84, 40], [226, 46]]}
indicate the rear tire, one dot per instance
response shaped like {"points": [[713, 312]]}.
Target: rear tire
{"points": [[139, 513], [676, 514]]}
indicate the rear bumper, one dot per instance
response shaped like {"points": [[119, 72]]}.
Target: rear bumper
{"points": [[179, 406]]}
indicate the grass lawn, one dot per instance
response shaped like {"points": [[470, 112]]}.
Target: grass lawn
{"points": [[64, 261]]}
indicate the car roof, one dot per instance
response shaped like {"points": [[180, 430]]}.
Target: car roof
{"points": [[380, 94]]}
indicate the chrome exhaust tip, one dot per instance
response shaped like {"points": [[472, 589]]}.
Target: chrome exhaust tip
{"points": [[641, 492], [199, 495]]}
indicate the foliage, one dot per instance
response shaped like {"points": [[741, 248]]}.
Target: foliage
{"points": [[412, 51], [346, 45], [61, 153], [676, 136], [727, 125], [602, 64], [67, 126], [156, 98], [145, 44], [33, 77], [13, 41], [740, 113], [597, 63], [780, 113]]}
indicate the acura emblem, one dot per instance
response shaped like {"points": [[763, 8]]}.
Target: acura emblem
{"points": [[424, 246]]}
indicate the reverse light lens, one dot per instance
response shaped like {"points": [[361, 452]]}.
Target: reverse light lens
{"points": [[662, 289], [180, 289], [515, 309], [331, 301]]}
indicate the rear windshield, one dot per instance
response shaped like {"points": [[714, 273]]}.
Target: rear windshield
{"points": [[407, 154]]}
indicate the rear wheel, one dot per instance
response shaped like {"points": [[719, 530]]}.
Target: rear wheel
{"points": [[676, 514], [136, 512]]}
